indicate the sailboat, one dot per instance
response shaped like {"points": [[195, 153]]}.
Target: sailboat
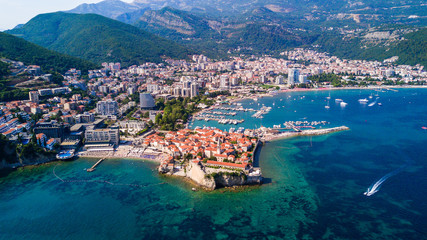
{"points": [[328, 97]]}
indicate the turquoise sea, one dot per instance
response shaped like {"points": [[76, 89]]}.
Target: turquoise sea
{"points": [[314, 185]]}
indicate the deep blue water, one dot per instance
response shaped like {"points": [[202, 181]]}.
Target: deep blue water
{"points": [[314, 185]]}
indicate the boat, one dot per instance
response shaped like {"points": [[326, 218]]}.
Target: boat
{"points": [[327, 107], [380, 104], [66, 155], [363, 101], [425, 128], [343, 104], [338, 100], [370, 192]]}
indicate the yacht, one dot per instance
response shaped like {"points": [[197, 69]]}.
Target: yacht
{"points": [[343, 104], [338, 100], [363, 101], [327, 107]]}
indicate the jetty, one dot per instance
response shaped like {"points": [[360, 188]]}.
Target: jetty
{"points": [[96, 164], [314, 132]]}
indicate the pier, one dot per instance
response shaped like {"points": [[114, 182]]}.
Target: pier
{"points": [[96, 164]]}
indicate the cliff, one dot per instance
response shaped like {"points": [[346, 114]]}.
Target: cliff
{"points": [[197, 173]]}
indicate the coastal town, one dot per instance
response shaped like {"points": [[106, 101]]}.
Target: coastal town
{"points": [[146, 112]]}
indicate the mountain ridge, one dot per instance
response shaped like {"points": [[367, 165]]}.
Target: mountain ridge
{"points": [[18, 49], [97, 38]]}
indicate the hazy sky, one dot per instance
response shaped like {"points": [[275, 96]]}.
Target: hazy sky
{"points": [[14, 12]]}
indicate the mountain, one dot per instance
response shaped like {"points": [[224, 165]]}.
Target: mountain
{"points": [[409, 44], [372, 10], [131, 17], [18, 49], [107, 8], [261, 31], [175, 24], [98, 39]]}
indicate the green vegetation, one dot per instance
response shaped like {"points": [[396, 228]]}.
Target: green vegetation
{"points": [[18, 49], [412, 50], [98, 39], [334, 79], [15, 153], [142, 132], [12, 94], [32, 151], [266, 86], [177, 111], [235, 173], [174, 110], [218, 93], [4, 69], [7, 149]]}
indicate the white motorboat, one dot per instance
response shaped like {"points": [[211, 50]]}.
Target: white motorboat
{"points": [[363, 101]]}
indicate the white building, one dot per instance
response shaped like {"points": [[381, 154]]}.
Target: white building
{"points": [[280, 79], [107, 135], [224, 82], [34, 96], [303, 78], [194, 89], [106, 108], [293, 76]]}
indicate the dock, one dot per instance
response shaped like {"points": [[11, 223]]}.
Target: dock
{"points": [[94, 166]]}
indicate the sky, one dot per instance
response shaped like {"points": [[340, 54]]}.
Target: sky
{"points": [[14, 12]]}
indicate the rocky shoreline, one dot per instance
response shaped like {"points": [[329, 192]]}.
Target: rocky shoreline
{"points": [[210, 180]]}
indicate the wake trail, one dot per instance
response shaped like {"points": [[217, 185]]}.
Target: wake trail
{"points": [[373, 103], [101, 181], [375, 187]]}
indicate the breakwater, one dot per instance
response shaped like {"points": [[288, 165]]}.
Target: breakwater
{"points": [[314, 132]]}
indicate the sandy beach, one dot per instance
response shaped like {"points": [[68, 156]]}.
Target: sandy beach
{"points": [[127, 152]]}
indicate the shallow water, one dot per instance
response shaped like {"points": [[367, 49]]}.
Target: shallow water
{"points": [[314, 185]]}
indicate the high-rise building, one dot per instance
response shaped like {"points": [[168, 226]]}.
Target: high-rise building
{"points": [[104, 89], [293, 76], [104, 135], [34, 96], [152, 88], [303, 78], [280, 79], [107, 108], [224, 82], [132, 90], [194, 89]]}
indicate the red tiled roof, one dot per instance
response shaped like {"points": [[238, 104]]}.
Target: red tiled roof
{"points": [[227, 164]]}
